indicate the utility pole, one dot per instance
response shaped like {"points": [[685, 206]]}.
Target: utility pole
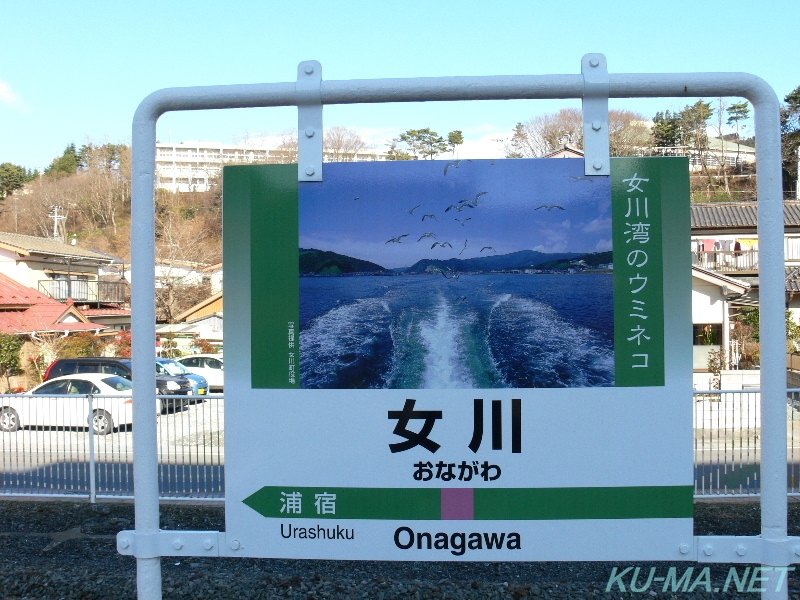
{"points": [[56, 216]]}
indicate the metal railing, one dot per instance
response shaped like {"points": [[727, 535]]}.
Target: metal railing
{"points": [[727, 442], [84, 291], [74, 460], [726, 261], [67, 460]]}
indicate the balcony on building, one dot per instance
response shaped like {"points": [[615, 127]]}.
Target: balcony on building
{"points": [[84, 290]]}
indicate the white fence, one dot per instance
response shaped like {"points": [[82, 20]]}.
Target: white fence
{"points": [[71, 460], [75, 461]]}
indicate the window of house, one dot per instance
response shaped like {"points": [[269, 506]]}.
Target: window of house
{"points": [[707, 334]]}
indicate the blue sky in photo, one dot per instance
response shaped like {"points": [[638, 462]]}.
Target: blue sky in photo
{"points": [[75, 72], [531, 204]]}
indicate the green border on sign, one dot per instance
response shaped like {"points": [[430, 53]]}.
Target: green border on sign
{"points": [[650, 196], [270, 194]]}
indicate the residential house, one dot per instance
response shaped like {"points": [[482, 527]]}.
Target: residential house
{"points": [[203, 320], [181, 272], [67, 272], [712, 298], [724, 241], [566, 151], [37, 317]]}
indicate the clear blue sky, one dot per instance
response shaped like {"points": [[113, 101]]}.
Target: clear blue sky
{"points": [[75, 72], [520, 205]]}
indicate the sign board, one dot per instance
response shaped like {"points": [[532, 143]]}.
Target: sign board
{"points": [[459, 360]]}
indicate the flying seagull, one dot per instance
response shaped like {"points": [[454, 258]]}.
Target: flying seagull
{"points": [[452, 163], [463, 221], [397, 239], [488, 248], [464, 248], [442, 244], [411, 210], [549, 207], [426, 235], [431, 216], [474, 202], [458, 207]]}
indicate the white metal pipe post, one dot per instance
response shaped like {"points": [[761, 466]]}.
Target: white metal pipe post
{"points": [[773, 546]]}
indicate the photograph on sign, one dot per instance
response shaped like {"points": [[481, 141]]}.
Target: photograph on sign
{"points": [[435, 352], [453, 276]]}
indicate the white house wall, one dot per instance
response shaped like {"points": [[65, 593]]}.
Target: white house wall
{"points": [[707, 304], [30, 271], [18, 271]]}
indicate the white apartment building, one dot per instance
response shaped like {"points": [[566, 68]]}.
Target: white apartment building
{"points": [[195, 166]]}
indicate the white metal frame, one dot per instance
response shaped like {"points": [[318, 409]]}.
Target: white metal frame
{"points": [[309, 93]]}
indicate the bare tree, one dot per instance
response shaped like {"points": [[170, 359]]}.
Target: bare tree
{"points": [[629, 132], [288, 147], [187, 230], [342, 144], [544, 134], [105, 184]]}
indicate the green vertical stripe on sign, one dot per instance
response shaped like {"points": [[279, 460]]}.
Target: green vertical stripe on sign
{"points": [[511, 504], [638, 210], [271, 193]]}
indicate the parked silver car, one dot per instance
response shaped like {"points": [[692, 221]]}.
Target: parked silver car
{"points": [[207, 365]]}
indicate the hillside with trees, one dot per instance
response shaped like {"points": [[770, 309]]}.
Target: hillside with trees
{"points": [[325, 262], [92, 183]]}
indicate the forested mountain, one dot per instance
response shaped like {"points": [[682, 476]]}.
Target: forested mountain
{"points": [[325, 262]]}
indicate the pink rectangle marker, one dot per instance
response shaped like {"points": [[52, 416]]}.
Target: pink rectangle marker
{"points": [[458, 504]]}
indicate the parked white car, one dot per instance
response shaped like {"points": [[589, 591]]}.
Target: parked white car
{"points": [[62, 402], [207, 365]]}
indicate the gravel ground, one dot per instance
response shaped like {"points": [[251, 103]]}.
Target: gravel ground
{"points": [[67, 550]]}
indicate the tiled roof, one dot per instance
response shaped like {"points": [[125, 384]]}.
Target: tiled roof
{"points": [[41, 317], [792, 279], [717, 215], [718, 278], [28, 310], [26, 244], [13, 293]]}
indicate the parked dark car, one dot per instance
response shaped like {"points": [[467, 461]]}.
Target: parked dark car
{"points": [[166, 385]]}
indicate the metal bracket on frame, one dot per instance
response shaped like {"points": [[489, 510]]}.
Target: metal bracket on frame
{"points": [[171, 543], [309, 121], [596, 144], [747, 550]]}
